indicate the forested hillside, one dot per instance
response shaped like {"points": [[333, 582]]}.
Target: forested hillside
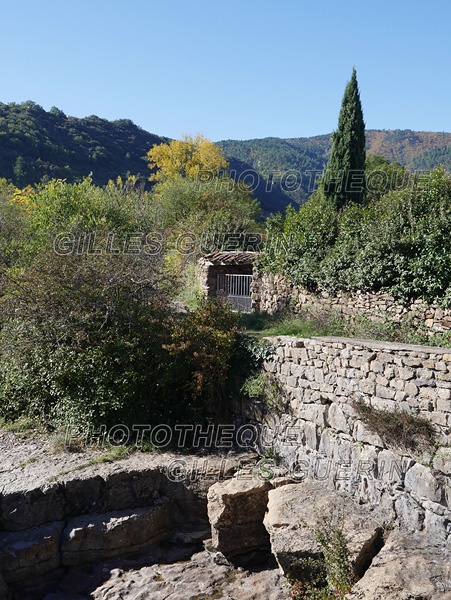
{"points": [[36, 145], [413, 149]]}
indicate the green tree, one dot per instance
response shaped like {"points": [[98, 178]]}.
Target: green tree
{"points": [[344, 178]]}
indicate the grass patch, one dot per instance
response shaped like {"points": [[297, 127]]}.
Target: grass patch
{"points": [[190, 292], [310, 323], [116, 453], [398, 428], [29, 461]]}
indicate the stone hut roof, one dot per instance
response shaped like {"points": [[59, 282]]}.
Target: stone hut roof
{"points": [[235, 257]]}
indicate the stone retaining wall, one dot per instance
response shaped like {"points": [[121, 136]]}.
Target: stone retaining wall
{"points": [[319, 432], [272, 293]]}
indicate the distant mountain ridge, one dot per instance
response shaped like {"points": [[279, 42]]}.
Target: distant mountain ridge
{"points": [[416, 150], [36, 145]]}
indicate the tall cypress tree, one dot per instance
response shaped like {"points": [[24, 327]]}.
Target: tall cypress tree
{"points": [[344, 178]]}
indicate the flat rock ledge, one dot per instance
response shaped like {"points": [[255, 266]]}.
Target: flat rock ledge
{"points": [[206, 575]]}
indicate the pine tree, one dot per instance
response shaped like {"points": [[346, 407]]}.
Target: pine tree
{"points": [[344, 178]]}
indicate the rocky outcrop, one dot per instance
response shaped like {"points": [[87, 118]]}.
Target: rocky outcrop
{"points": [[408, 567], [206, 575], [102, 512], [92, 538], [236, 509], [294, 512]]}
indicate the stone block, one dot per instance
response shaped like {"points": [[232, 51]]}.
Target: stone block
{"points": [[236, 509], [411, 389], [367, 387], [337, 419], [315, 413], [294, 512], [377, 366], [420, 481], [30, 554], [362, 434], [444, 405], [381, 380], [442, 460], [390, 468], [406, 374], [385, 392], [425, 374]]}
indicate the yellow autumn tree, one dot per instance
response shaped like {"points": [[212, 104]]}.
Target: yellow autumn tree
{"points": [[185, 158]]}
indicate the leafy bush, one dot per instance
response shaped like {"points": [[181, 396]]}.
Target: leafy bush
{"points": [[265, 388], [399, 242], [93, 340], [329, 576]]}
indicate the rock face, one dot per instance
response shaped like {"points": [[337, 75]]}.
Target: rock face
{"points": [[407, 568], [206, 575], [236, 509], [26, 555], [93, 538], [293, 514], [101, 512]]}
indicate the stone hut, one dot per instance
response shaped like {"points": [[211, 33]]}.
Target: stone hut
{"points": [[228, 274]]}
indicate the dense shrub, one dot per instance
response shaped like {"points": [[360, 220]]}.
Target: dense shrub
{"points": [[398, 242], [91, 337], [86, 340]]}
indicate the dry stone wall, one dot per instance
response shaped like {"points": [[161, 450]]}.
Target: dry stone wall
{"points": [[319, 433], [273, 293]]}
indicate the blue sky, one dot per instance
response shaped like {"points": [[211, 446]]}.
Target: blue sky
{"points": [[233, 70]]}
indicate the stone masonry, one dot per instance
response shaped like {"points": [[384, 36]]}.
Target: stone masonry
{"points": [[319, 434], [273, 293]]}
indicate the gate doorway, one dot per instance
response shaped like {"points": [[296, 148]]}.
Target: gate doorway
{"points": [[228, 274], [236, 289]]}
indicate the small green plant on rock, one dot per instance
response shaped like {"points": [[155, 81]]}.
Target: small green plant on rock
{"points": [[265, 388], [328, 576]]}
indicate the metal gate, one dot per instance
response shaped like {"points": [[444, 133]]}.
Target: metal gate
{"points": [[236, 289]]}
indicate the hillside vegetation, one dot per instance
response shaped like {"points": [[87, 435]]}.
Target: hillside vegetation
{"points": [[415, 150], [36, 146]]}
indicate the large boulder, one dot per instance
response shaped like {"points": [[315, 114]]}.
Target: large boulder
{"points": [[236, 509], [294, 511], [409, 567]]}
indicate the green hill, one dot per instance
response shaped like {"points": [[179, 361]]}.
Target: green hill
{"points": [[413, 149], [36, 145]]}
